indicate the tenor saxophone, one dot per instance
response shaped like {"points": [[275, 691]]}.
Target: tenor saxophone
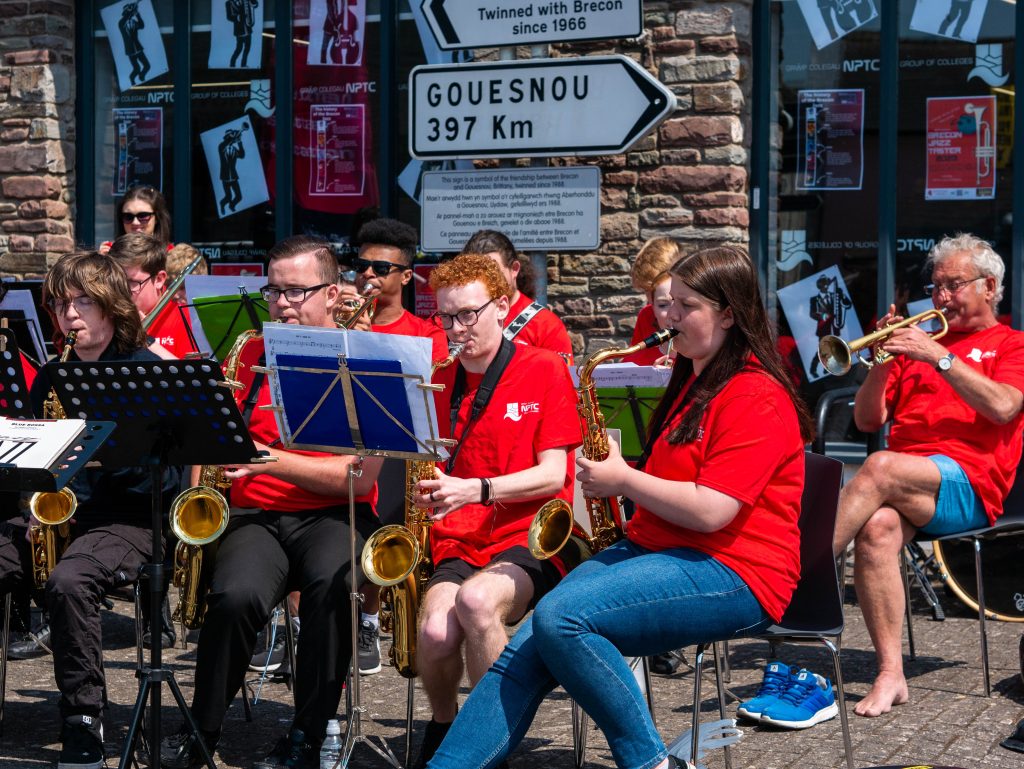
{"points": [[52, 509], [199, 515], [397, 558], [554, 526]]}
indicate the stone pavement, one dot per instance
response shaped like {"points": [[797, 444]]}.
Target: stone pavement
{"points": [[948, 722]]}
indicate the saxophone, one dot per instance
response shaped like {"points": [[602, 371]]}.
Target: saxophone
{"points": [[52, 509], [398, 558], [554, 526], [199, 516]]}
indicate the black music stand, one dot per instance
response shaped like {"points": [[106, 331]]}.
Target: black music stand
{"points": [[365, 406], [167, 413]]}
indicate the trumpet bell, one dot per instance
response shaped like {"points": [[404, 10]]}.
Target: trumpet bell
{"points": [[835, 355], [53, 507], [199, 515], [390, 555]]}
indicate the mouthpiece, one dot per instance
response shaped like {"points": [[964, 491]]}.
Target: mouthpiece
{"points": [[658, 337]]}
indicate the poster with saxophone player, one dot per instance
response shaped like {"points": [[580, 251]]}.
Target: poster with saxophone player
{"points": [[236, 171], [815, 307], [961, 147], [336, 32], [829, 20]]}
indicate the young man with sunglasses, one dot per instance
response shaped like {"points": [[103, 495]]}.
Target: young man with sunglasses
{"points": [[289, 530], [955, 444], [87, 293], [512, 410], [144, 260], [382, 269]]}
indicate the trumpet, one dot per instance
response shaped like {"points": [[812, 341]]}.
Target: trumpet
{"points": [[350, 311], [838, 356]]}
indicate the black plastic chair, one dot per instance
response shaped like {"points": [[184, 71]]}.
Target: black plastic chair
{"points": [[815, 613]]}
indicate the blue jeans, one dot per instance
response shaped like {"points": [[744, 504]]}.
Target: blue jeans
{"points": [[626, 600]]}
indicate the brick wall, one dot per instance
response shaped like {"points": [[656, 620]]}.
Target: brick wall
{"points": [[687, 181], [37, 133]]}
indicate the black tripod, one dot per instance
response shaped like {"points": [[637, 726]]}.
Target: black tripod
{"points": [[167, 413]]}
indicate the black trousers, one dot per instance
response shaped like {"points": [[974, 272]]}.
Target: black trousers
{"points": [[261, 557], [98, 560]]}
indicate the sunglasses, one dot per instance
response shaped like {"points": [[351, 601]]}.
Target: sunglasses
{"points": [[379, 266], [142, 217]]}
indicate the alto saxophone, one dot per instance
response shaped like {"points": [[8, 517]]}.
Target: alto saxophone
{"points": [[52, 509], [398, 558], [554, 525], [199, 516]]}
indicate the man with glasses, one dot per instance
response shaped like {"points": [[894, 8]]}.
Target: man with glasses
{"points": [[955, 407], [144, 259], [382, 270], [512, 410], [87, 293], [289, 530]]}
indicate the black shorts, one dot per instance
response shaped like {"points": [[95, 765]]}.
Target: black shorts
{"points": [[543, 574]]}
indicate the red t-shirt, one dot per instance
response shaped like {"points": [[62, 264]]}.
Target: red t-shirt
{"points": [[170, 329], [928, 417], [532, 409], [750, 449], [544, 329], [646, 324], [413, 325], [264, 490]]}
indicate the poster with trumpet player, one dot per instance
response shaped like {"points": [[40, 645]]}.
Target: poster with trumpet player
{"points": [[961, 147], [818, 306]]}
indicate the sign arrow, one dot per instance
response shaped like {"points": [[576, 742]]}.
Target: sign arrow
{"points": [[475, 24], [598, 105]]}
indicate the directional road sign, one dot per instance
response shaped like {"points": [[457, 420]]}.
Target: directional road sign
{"points": [[484, 24], [599, 105]]}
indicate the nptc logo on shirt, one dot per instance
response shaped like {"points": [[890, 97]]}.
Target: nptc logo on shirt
{"points": [[515, 411], [977, 355]]}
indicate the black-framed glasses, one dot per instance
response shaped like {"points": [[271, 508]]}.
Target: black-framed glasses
{"points": [[80, 303], [950, 288], [135, 286], [295, 295], [379, 266], [142, 217], [466, 318]]}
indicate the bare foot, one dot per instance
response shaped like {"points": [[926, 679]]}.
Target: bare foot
{"points": [[889, 689]]}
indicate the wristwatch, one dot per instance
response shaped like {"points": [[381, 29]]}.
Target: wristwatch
{"points": [[945, 363]]}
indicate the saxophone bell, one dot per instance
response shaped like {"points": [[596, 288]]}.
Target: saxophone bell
{"points": [[390, 555]]}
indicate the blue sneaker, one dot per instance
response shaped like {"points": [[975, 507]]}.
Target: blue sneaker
{"points": [[809, 700], [777, 678]]}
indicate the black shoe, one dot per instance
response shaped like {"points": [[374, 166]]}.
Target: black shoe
{"points": [[291, 752], [273, 659], [181, 750], [30, 645], [81, 743], [665, 664], [432, 739], [167, 634], [1016, 740]]}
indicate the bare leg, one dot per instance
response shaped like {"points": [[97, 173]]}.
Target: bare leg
{"points": [[438, 651], [485, 605], [880, 592]]}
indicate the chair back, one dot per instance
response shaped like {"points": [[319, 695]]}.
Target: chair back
{"points": [[816, 607]]}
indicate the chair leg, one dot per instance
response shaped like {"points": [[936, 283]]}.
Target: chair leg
{"points": [[841, 701], [5, 637], [981, 617], [698, 672], [726, 667], [140, 663], [289, 642], [246, 704], [904, 570], [580, 725], [409, 707], [721, 702], [645, 669]]}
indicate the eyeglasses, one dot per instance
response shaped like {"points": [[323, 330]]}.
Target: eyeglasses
{"points": [[466, 318], [80, 303], [141, 216], [294, 295], [135, 286], [380, 267], [950, 288]]}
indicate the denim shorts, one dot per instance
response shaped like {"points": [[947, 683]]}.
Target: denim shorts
{"points": [[958, 507]]}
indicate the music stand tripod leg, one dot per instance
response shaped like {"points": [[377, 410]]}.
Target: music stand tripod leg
{"points": [[354, 734]]}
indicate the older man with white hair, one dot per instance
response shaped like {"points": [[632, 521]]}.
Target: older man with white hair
{"points": [[955, 407]]}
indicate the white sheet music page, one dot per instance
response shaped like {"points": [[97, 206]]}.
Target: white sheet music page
{"points": [[628, 375], [36, 442]]}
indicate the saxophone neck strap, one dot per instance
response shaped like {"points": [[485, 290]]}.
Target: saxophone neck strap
{"points": [[483, 395], [253, 395], [519, 321]]}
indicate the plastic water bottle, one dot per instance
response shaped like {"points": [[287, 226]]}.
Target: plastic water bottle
{"points": [[330, 750]]}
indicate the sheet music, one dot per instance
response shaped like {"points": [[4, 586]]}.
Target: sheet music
{"points": [[627, 375], [413, 353], [36, 442], [20, 299]]}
